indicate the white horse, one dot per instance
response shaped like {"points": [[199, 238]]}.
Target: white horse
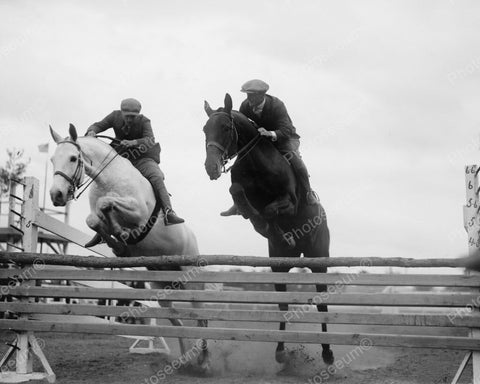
{"points": [[121, 206]]}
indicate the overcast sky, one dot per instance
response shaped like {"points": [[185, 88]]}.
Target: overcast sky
{"points": [[385, 96]]}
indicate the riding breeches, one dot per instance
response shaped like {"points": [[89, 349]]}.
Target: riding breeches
{"points": [[152, 172]]}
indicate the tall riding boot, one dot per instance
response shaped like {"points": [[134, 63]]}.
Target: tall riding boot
{"points": [[161, 193], [233, 210], [152, 172], [303, 178]]}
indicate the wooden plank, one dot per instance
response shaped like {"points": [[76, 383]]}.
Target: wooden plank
{"points": [[202, 276], [383, 299], [203, 260], [366, 340], [69, 233], [295, 315]]}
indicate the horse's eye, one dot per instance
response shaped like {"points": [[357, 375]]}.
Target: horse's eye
{"points": [[73, 159]]}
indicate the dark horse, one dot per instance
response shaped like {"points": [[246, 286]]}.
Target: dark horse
{"points": [[265, 190]]}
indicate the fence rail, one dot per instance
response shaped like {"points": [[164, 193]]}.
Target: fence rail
{"points": [[24, 258]]}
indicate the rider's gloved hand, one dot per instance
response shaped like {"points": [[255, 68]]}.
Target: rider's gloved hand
{"points": [[264, 132], [90, 133], [271, 134], [128, 143]]}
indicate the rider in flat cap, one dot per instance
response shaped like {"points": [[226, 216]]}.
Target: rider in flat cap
{"points": [[137, 144], [270, 114]]}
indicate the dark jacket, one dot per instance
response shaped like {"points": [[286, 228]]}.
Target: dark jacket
{"points": [[141, 130], [274, 117]]}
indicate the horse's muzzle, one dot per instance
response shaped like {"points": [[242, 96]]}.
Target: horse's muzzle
{"points": [[59, 199], [213, 174], [213, 169]]}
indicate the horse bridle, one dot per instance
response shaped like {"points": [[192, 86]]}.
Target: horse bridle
{"points": [[233, 139], [75, 179]]}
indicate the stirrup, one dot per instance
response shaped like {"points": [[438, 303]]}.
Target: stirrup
{"points": [[171, 217], [312, 198]]}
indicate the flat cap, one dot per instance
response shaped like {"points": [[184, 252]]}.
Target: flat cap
{"points": [[255, 86], [130, 106]]}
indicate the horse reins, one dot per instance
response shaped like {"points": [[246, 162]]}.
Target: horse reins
{"points": [[239, 153]]}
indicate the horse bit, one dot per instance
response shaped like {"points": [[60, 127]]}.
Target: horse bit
{"points": [[74, 181]]}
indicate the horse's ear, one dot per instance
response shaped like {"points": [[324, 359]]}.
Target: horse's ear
{"points": [[228, 103], [56, 137], [207, 108], [73, 132]]}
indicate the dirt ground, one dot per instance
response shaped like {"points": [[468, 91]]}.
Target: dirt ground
{"points": [[95, 359]]}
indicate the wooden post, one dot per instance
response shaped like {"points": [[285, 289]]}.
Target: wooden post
{"points": [[11, 216], [30, 237], [471, 220], [26, 344]]}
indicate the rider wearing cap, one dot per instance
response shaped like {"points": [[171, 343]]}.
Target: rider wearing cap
{"points": [[270, 114], [137, 143]]}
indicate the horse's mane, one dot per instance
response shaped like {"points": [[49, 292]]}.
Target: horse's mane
{"points": [[95, 141], [102, 149], [241, 121], [244, 121]]}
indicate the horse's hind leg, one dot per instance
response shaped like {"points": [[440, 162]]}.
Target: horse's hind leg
{"points": [[203, 359], [321, 249], [327, 354], [280, 355], [175, 322]]}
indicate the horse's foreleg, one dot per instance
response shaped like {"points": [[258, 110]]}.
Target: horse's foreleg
{"points": [[121, 214], [248, 211], [107, 205], [280, 206], [118, 248], [241, 201]]}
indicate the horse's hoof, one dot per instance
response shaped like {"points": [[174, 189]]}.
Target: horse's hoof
{"points": [[203, 357], [328, 357], [281, 356], [205, 368]]}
